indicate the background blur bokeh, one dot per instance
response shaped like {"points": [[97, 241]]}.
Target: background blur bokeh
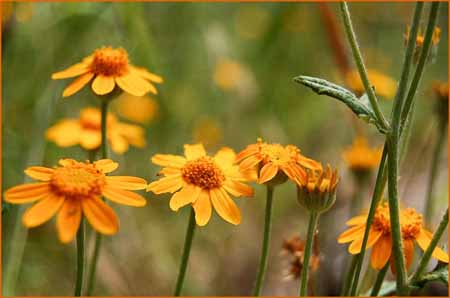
{"points": [[228, 70]]}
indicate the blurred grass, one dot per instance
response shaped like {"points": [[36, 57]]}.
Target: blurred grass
{"points": [[183, 42]]}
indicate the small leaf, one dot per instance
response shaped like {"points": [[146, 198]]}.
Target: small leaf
{"points": [[439, 274], [361, 107]]}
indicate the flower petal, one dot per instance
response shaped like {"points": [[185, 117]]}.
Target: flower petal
{"points": [[225, 156], [42, 211], [225, 206], [124, 197], [90, 139], [40, 173], [424, 239], [408, 251], [168, 160], [250, 150], [100, 216], [194, 151], [147, 75], [65, 133], [135, 85], [135, 135], [185, 196], [352, 234], [166, 184], [268, 171], [249, 162], [76, 85], [356, 245], [126, 182], [72, 71], [68, 220], [357, 220], [27, 193], [106, 165], [238, 189], [202, 208], [103, 85], [118, 143], [381, 252]]}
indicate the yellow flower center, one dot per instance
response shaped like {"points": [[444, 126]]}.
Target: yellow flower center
{"points": [[90, 118], [411, 223], [381, 219], [276, 154], [203, 172], [76, 179], [110, 62]]}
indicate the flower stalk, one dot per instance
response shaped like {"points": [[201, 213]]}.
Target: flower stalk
{"points": [[312, 226], [186, 252], [80, 260], [266, 243], [379, 281]]}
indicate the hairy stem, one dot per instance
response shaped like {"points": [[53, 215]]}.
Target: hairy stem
{"points": [[312, 226]]}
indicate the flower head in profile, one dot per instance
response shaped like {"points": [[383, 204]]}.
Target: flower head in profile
{"points": [[360, 158], [74, 189], [202, 181], [294, 249], [380, 236], [86, 132], [384, 85], [108, 67], [276, 163]]}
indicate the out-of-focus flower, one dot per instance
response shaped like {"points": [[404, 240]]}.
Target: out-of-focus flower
{"points": [[380, 236], [317, 193], [441, 93], [73, 189], [419, 43], [384, 85], [276, 163], [251, 22], [137, 109], [23, 11], [208, 132], [86, 132], [201, 181], [7, 10], [107, 67], [360, 158], [294, 248]]}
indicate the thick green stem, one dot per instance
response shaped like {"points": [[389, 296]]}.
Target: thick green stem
{"points": [[312, 226], [186, 251], [437, 152], [80, 260], [429, 251], [379, 281], [361, 67], [349, 277], [265, 244]]}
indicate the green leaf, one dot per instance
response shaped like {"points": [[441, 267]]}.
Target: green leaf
{"points": [[361, 107], [440, 273]]}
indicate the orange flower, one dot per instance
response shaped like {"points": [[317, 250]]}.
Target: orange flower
{"points": [[384, 85], [107, 67], [380, 236], [74, 188], [275, 161], [360, 157], [86, 131], [201, 180], [142, 109]]}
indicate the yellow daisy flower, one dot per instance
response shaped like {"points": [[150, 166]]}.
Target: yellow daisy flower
{"points": [[107, 67], [86, 132], [380, 236], [142, 110], [384, 85], [202, 181], [360, 157], [73, 189], [275, 162]]}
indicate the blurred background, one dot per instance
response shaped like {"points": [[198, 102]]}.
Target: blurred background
{"points": [[228, 70]]}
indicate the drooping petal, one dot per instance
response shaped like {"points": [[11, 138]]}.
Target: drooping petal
{"points": [[169, 171], [147, 75], [27, 193], [72, 71], [225, 206], [39, 173], [90, 139], [106, 165], [408, 251], [352, 234], [295, 173], [381, 252], [356, 245], [424, 239], [124, 197], [185, 196], [238, 189], [202, 208], [250, 150], [166, 184], [194, 151], [126, 182], [68, 220], [65, 133], [268, 171], [135, 135], [357, 220], [225, 156], [42, 211], [103, 85], [100, 216], [76, 85], [135, 85], [250, 162], [168, 160]]}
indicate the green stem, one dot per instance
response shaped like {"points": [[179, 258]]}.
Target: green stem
{"points": [[379, 281], [437, 152], [349, 277], [104, 154], [312, 226], [80, 260], [361, 67], [186, 252], [266, 243], [429, 251]]}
